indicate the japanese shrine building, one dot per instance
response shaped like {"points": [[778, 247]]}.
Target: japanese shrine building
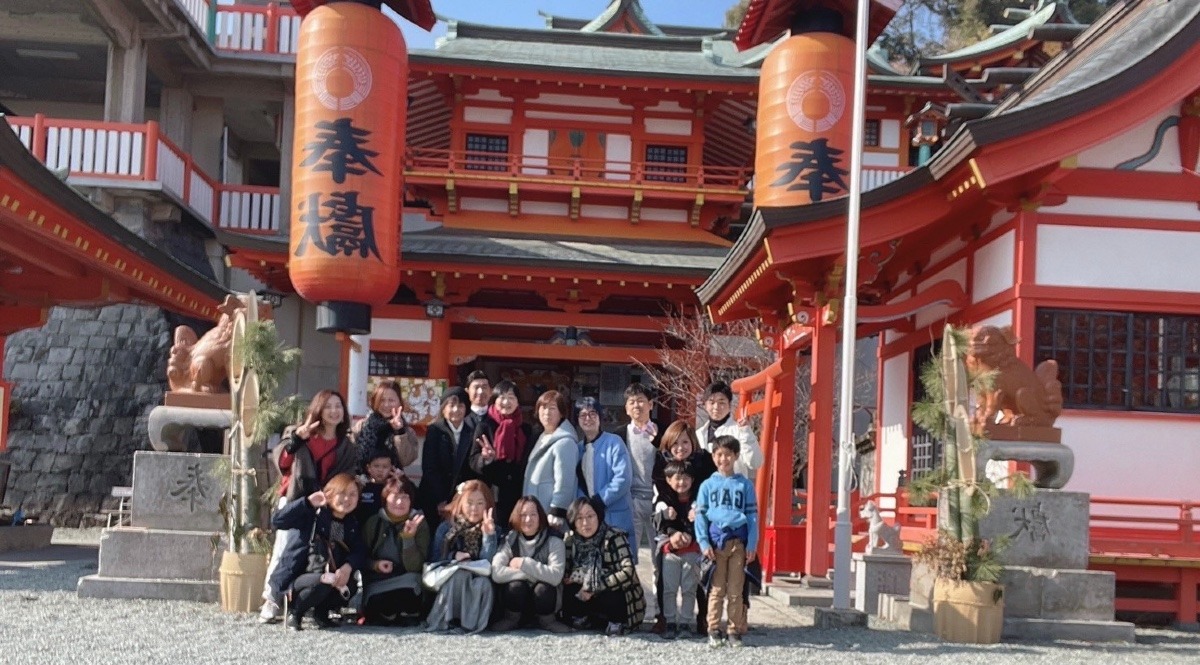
{"points": [[1064, 206], [564, 187]]}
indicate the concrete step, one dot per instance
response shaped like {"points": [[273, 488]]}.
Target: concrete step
{"points": [[798, 595], [897, 609], [1063, 629], [159, 554], [96, 586], [1049, 593]]}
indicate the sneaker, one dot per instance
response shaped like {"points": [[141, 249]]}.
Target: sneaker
{"points": [[270, 612], [579, 623], [294, 622], [715, 640], [614, 630], [660, 625], [735, 640], [672, 631]]}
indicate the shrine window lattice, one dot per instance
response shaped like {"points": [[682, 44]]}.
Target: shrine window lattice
{"points": [[1123, 361], [658, 157], [487, 152], [383, 363], [871, 133]]}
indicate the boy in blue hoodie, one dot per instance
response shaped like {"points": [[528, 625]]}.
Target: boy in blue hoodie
{"points": [[727, 531]]}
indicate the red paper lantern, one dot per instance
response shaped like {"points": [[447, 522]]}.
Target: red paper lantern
{"points": [[804, 120], [351, 92]]}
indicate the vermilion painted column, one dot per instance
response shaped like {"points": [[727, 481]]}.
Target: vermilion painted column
{"points": [[783, 470], [439, 350], [820, 449]]}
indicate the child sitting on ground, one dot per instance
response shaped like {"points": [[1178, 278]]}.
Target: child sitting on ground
{"points": [[727, 530], [677, 556]]}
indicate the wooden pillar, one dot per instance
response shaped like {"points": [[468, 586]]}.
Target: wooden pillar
{"points": [[439, 350], [125, 85], [358, 373], [784, 443], [820, 448]]}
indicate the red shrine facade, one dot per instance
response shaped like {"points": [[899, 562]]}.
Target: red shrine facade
{"points": [[1064, 207]]}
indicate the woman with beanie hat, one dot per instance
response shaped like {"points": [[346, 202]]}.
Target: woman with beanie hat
{"points": [[444, 456]]}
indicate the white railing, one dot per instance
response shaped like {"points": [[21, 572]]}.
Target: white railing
{"points": [[197, 10], [878, 176], [252, 209], [201, 196], [257, 29], [172, 171], [116, 154], [24, 135], [91, 150], [241, 31], [289, 34]]}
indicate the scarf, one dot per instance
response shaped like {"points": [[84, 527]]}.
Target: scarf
{"points": [[713, 425], [463, 536], [517, 543], [587, 560], [510, 438], [649, 430]]}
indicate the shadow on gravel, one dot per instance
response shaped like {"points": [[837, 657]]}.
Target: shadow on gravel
{"points": [[56, 568]]}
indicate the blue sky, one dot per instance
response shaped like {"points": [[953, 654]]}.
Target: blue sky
{"points": [[524, 14]]}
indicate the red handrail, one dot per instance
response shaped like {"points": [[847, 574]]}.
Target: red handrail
{"points": [[653, 174]]}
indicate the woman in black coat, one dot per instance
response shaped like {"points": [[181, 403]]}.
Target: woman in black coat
{"points": [[678, 444], [317, 569], [444, 456], [500, 448]]}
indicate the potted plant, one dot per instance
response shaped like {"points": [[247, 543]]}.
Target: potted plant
{"points": [[968, 601], [258, 364]]}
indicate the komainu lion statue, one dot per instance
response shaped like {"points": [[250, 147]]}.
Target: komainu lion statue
{"points": [[1022, 397], [880, 535], [202, 365]]}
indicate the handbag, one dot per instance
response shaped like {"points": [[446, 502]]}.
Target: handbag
{"points": [[434, 575]]}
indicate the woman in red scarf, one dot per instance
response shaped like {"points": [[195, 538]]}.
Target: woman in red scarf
{"points": [[501, 448]]}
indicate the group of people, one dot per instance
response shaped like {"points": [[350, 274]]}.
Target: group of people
{"points": [[513, 523]]}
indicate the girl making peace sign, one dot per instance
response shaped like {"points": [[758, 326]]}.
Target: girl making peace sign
{"points": [[469, 535]]}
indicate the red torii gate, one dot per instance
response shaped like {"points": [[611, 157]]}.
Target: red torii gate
{"points": [[804, 547]]}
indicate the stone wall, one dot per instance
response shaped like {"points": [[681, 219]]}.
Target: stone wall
{"points": [[84, 384]]}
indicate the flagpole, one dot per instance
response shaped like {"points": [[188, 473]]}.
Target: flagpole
{"points": [[841, 532]]}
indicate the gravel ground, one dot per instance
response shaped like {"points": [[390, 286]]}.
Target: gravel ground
{"points": [[42, 621]]}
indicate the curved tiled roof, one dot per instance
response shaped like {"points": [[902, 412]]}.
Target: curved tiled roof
{"points": [[1002, 41], [1133, 43]]}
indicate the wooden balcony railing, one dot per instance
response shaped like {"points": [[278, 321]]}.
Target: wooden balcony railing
{"points": [[272, 29], [503, 167], [138, 156]]}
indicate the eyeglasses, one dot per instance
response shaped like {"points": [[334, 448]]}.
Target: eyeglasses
{"points": [[588, 415]]}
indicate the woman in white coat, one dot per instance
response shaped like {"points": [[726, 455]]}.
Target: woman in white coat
{"points": [[550, 473]]}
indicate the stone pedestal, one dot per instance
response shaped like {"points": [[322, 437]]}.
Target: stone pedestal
{"points": [[825, 618], [875, 574], [1048, 591], [172, 549], [25, 538]]}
